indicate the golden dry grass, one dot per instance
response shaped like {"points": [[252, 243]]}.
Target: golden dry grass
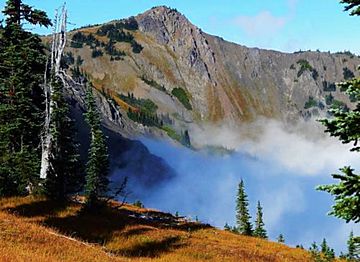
{"points": [[34, 229]]}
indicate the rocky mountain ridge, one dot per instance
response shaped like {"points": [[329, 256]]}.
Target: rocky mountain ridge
{"points": [[164, 75]]}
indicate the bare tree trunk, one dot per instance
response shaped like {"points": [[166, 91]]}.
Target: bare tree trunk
{"points": [[48, 145]]}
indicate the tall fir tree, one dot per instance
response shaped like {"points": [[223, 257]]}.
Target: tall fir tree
{"points": [[22, 64], [345, 126], [63, 176], [353, 253], [259, 230], [97, 167], [327, 252], [242, 212]]}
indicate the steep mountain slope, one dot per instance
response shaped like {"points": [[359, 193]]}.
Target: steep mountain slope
{"points": [[223, 81], [158, 75]]}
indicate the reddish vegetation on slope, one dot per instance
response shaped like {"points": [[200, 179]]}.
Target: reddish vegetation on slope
{"points": [[39, 230]]}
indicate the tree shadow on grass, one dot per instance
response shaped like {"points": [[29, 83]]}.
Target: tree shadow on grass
{"points": [[100, 226], [136, 231], [38, 208], [91, 227], [152, 248]]}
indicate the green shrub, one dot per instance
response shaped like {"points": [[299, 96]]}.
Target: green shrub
{"points": [[304, 65], [182, 96], [117, 34], [130, 24], [171, 132], [145, 118], [145, 105], [78, 40], [112, 51], [96, 53], [340, 104], [136, 47], [310, 103], [153, 83]]}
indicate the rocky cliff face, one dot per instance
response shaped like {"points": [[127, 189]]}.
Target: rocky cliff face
{"points": [[223, 81]]}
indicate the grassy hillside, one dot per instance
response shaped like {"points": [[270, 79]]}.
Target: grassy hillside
{"points": [[39, 230]]}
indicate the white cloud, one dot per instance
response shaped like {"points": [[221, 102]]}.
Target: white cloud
{"points": [[263, 23], [280, 201], [303, 149]]}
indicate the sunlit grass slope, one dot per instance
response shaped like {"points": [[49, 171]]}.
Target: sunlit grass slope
{"points": [[39, 230]]}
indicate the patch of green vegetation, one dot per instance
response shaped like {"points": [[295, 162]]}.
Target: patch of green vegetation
{"points": [[171, 132], [153, 83], [111, 50], [304, 65], [130, 24], [340, 105], [183, 138], [145, 118], [292, 67], [96, 53], [136, 47], [146, 113], [116, 33], [310, 103], [145, 105], [79, 39], [348, 53], [182, 96]]}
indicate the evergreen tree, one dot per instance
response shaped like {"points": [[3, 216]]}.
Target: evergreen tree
{"points": [[324, 247], [259, 223], [98, 163], [353, 248], [281, 239], [63, 177], [22, 65], [345, 126], [227, 227], [328, 253], [315, 253], [352, 5], [185, 139], [242, 212]]}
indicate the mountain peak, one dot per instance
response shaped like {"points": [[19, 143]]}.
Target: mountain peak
{"points": [[162, 9], [164, 22]]}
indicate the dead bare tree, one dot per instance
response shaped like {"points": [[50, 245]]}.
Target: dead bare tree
{"points": [[48, 144]]}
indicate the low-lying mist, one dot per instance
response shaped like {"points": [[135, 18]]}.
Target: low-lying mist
{"points": [[281, 166]]}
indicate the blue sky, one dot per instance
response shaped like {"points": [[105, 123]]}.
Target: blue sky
{"points": [[286, 25]]}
